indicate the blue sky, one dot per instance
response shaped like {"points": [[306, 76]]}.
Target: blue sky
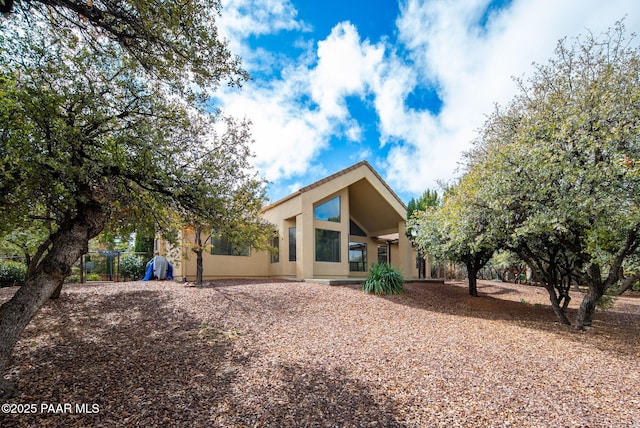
{"points": [[404, 85]]}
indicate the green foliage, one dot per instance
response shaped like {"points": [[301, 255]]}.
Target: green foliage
{"points": [[383, 279], [96, 130], [132, 266], [504, 259], [72, 279], [460, 229], [428, 199], [12, 273], [174, 42], [556, 168], [606, 302], [143, 243]]}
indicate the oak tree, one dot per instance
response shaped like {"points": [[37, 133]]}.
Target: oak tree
{"points": [[561, 166], [100, 117], [458, 230]]}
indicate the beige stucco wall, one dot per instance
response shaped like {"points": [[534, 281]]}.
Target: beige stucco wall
{"points": [[215, 266], [329, 269], [371, 197]]}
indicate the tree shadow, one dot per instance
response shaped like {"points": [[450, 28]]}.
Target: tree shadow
{"points": [[237, 297], [140, 366], [144, 362], [613, 332], [301, 395]]}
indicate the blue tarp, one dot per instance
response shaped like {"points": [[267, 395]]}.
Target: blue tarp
{"points": [[149, 273]]}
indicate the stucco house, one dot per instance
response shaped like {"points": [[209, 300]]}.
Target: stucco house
{"points": [[335, 228]]}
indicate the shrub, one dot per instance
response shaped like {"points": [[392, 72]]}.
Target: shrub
{"points": [[12, 273], [72, 279], [383, 279], [132, 266]]}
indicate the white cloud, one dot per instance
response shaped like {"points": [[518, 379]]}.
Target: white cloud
{"points": [[345, 65], [295, 117], [443, 46], [473, 67], [241, 19], [285, 139]]}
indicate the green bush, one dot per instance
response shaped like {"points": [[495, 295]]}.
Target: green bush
{"points": [[132, 266], [12, 273], [72, 279], [384, 279]]}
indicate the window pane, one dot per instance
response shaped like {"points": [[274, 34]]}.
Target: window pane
{"points": [[292, 244], [327, 245], [356, 230], [223, 247], [357, 257], [275, 252], [329, 211], [382, 254]]}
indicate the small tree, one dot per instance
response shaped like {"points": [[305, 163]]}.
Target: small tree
{"points": [[460, 230], [228, 198]]}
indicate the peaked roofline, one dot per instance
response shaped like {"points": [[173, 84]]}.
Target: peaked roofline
{"points": [[334, 176]]}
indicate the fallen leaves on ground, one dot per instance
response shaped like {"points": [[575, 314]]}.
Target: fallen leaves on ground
{"points": [[284, 354]]}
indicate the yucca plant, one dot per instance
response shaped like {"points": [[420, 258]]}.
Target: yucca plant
{"points": [[383, 279]]}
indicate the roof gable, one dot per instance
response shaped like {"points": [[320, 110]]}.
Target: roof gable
{"points": [[348, 170], [364, 167]]}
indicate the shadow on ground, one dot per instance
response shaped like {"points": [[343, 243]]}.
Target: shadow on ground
{"points": [[145, 363], [615, 332]]}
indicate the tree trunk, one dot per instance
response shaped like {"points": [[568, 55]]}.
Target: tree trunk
{"points": [[628, 283], [68, 244], [553, 297], [597, 287], [199, 268], [565, 305], [198, 250], [555, 304], [588, 307], [472, 272], [57, 291], [473, 286], [474, 263]]}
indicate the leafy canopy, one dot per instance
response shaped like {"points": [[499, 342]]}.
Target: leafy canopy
{"points": [[176, 42], [81, 126]]}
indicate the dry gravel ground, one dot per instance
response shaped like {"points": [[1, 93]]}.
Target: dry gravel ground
{"points": [[265, 353]]}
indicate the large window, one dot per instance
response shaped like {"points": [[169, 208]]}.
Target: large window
{"points": [[292, 244], [223, 247], [357, 257], [327, 245], [329, 211]]}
